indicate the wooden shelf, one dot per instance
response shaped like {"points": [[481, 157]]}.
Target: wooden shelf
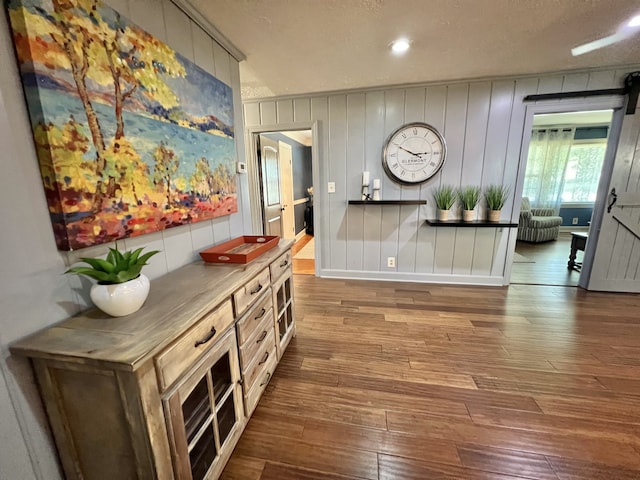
{"points": [[474, 223], [387, 202]]}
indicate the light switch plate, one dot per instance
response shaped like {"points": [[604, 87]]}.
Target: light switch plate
{"points": [[331, 187], [241, 167]]}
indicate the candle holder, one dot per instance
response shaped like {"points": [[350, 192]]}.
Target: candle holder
{"points": [[376, 189], [365, 186]]}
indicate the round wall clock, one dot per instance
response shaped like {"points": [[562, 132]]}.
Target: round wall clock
{"points": [[413, 153]]}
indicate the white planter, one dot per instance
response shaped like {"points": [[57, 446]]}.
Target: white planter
{"points": [[122, 298], [443, 215], [494, 215], [468, 215]]}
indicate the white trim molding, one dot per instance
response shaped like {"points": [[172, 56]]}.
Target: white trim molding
{"points": [[191, 12], [393, 276]]}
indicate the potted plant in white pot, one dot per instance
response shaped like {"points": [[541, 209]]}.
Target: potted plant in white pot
{"points": [[469, 199], [121, 288], [495, 196], [444, 196]]}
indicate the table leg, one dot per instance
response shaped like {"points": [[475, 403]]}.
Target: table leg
{"points": [[571, 265]]}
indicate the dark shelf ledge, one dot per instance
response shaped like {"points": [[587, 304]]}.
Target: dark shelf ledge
{"points": [[387, 202], [474, 223]]}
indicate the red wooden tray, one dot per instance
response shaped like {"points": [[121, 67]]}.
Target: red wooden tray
{"points": [[240, 250]]}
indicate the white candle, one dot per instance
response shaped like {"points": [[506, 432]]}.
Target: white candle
{"points": [[376, 184], [365, 179]]}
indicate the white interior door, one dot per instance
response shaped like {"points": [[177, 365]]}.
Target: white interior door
{"points": [[286, 189], [271, 195], [616, 265]]}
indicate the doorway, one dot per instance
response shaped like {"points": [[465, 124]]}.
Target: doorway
{"points": [[284, 163], [566, 157]]}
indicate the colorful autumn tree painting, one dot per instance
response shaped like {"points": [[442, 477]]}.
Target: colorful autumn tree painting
{"points": [[131, 137]]}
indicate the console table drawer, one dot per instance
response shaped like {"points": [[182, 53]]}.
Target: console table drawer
{"points": [[261, 378], [185, 351], [262, 357], [248, 294], [279, 266], [263, 335], [250, 322]]}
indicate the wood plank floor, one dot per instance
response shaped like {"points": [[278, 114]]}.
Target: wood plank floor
{"points": [[549, 266], [303, 266], [422, 381]]}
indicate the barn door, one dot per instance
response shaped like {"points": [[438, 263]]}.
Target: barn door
{"points": [[616, 265]]}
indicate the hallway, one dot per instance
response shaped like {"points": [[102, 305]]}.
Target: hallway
{"points": [[303, 252]]}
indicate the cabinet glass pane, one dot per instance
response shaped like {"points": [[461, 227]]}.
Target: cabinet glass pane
{"points": [[282, 326], [196, 409], [289, 316], [221, 375], [226, 419], [287, 289], [281, 298], [203, 454]]}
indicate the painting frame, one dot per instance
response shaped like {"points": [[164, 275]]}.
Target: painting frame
{"points": [[130, 136]]}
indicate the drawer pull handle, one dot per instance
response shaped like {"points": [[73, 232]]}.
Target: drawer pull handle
{"points": [[267, 380], [264, 359], [262, 337], [253, 292], [209, 336], [262, 312], [285, 263]]}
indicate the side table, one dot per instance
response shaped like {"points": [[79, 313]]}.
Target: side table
{"points": [[578, 242]]}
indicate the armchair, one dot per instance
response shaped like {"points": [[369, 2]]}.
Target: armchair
{"points": [[537, 224]]}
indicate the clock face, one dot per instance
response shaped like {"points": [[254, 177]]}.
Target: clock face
{"points": [[413, 153]]}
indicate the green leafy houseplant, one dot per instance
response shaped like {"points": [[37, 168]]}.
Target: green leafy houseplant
{"points": [[469, 197], [445, 196], [496, 196], [118, 267]]}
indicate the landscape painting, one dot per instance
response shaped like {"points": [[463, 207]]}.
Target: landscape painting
{"points": [[130, 136]]}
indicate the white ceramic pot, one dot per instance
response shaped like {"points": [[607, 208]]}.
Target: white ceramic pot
{"points": [[122, 298], [494, 215], [443, 215], [468, 215]]}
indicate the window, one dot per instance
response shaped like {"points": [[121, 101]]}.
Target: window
{"points": [[582, 172]]}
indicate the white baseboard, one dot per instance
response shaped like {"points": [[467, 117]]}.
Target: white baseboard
{"points": [[573, 228], [480, 280]]}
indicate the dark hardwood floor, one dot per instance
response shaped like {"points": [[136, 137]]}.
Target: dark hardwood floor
{"points": [[549, 266], [422, 381]]}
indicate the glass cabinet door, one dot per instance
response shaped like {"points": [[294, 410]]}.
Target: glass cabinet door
{"points": [[283, 301], [205, 412]]}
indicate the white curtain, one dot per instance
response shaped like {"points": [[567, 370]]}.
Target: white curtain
{"points": [[546, 165]]}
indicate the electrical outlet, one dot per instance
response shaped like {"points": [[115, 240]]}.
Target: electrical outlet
{"points": [[391, 262], [331, 187], [575, 221]]}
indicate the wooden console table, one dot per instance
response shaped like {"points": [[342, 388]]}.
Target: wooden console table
{"points": [[165, 393], [578, 242]]}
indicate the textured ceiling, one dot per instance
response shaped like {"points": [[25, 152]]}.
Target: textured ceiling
{"points": [[306, 46]]}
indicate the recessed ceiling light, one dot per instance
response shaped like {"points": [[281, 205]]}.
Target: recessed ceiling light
{"points": [[634, 22], [400, 46]]}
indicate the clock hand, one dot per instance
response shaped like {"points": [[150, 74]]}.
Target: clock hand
{"points": [[413, 153], [409, 151]]}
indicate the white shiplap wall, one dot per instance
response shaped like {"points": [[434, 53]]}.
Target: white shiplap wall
{"points": [[482, 122], [34, 292]]}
